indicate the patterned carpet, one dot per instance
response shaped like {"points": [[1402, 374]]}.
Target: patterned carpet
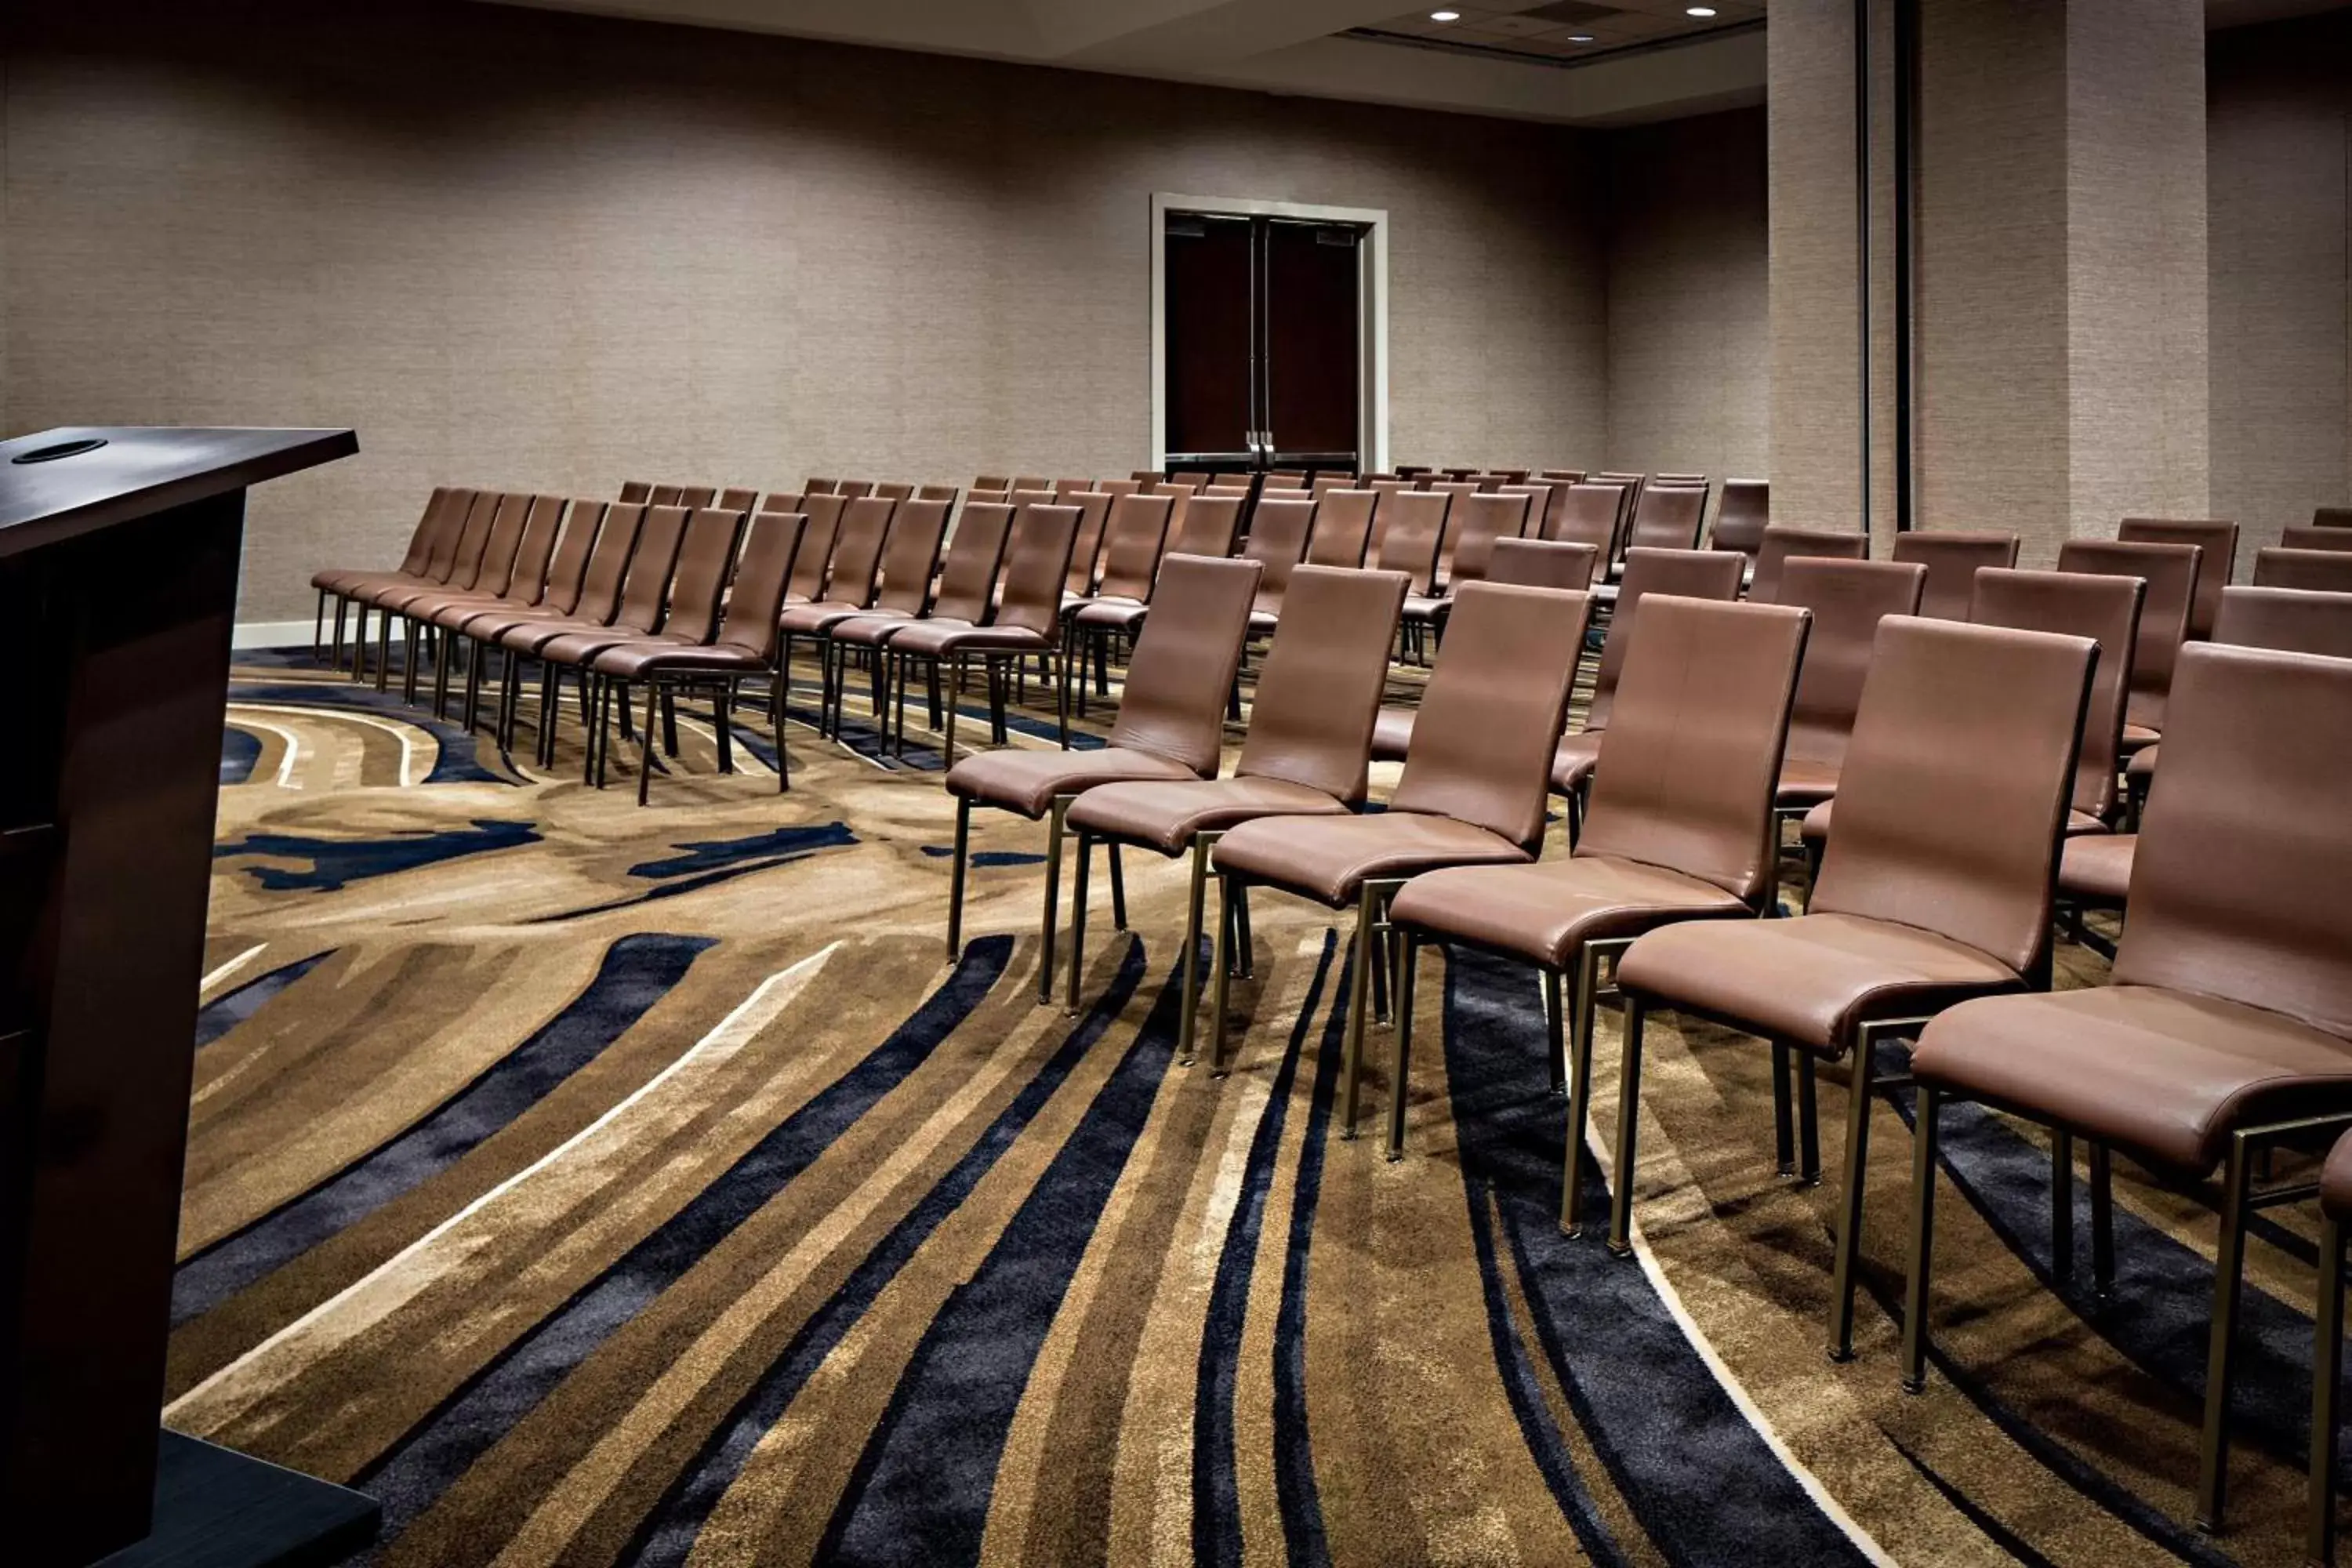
{"points": [[600, 1186]]}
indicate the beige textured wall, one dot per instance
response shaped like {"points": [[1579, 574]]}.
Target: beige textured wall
{"points": [[537, 250], [2279, 163], [1689, 295]]}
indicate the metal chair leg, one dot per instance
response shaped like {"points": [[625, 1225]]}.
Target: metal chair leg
{"points": [[722, 721], [2062, 1207], [1629, 1116], [1408, 962], [1192, 909], [2326, 1376], [1117, 891], [1924, 1135], [1849, 1236], [1367, 955], [1784, 1122], [956, 868], [1580, 1092], [1809, 1121], [1054, 814], [646, 741], [1245, 960], [1555, 1033], [2103, 1222], [2221, 1359], [1085, 855], [1221, 974]]}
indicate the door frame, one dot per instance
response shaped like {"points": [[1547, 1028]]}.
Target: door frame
{"points": [[1371, 327]]}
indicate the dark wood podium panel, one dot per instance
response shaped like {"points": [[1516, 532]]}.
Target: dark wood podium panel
{"points": [[118, 552], [215, 1507]]}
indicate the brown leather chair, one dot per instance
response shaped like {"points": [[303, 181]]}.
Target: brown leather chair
{"points": [[1277, 541], [524, 585], [656, 534], [967, 593], [1207, 525], [737, 498], [1414, 528], [812, 563], [1063, 488], [668, 495], [781, 500], [947, 493], [1544, 563], [1570, 476], [636, 490], [1133, 537], [1685, 574], [688, 619], [2171, 572], [336, 582], [558, 594], [1781, 543], [1540, 493], [1471, 794], [1203, 525], [1589, 516], [2326, 571], [992, 483], [850, 583], [694, 498], [1119, 487], [1667, 517], [596, 604], [1630, 485], [484, 571], [1953, 557], [1033, 482], [857, 489], [1383, 510], [1305, 754], [816, 487], [2328, 1348], [454, 555], [1026, 623], [2299, 536], [1473, 522], [1679, 482], [909, 567], [1343, 528], [1284, 479], [1170, 726], [2215, 568], [1086, 554], [1848, 599], [744, 647], [2227, 1030], [1680, 828], [1742, 515], [2331, 517], [1936, 889]]}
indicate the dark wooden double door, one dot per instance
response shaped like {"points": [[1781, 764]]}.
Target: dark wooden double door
{"points": [[1263, 319]]}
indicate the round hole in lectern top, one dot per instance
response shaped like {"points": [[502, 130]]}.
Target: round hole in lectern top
{"points": [[62, 449]]}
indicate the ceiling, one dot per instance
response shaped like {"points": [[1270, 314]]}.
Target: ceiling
{"points": [[1646, 59]]}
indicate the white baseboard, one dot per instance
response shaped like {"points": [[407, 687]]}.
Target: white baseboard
{"points": [[293, 633]]}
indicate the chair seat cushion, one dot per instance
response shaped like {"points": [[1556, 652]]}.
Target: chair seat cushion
{"points": [[2143, 762], [1328, 858], [1425, 607], [1114, 614], [1027, 782], [336, 579], [813, 620], [370, 586], [1811, 980], [1167, 815], [2165, 1076], [579, 646], [871, 628], [1816, 825], [529, 634], [2136, 737], [1392, 734], [1804, 783], [448, 607], [642, 656], [2095, 869], [938, 638], [1573, 759], [1545, 913]]}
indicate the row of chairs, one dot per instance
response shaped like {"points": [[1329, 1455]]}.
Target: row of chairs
{"points": [[2228, 1026]]}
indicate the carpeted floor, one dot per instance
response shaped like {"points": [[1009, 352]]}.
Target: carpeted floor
{"points": [[597, 1184]]}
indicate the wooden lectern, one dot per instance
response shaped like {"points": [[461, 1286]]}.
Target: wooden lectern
{"points": [[118, 590]]}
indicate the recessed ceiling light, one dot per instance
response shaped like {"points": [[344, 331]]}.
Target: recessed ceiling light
{"points": [[1445, 16], [1700, 11]]}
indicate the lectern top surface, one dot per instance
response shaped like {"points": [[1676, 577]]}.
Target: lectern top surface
{"points": [[135, 470]]}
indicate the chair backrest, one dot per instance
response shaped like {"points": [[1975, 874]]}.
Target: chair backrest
{"points": [[2170, 571], [1630, 485], [1742, 515], [1483, 739], [1036, 561], [1085, 556], [1952, 557], [1415, 527], [2331, 517], [694, 496], [1209, 525], [1119, 486], [1953, 795], [1063, 488], [892, 490], [737, 498], [1277, 541], [458, 556], [1325, 483], [757, 599], [974, 557], [2291, 620], [437, 510], [1479, 520], [2301, 536], [1460, 473], [1666, 516], [992, 483], [818, 541], [637, 490], [1343, 528], [1509, 475], [493, 570], [1319, 688], [1544, 563], [1185, 660], [1143, 476], [664, 495], [1539, 503], [2215, 569], [1684, 573], [567, 570], [2082, 604], [2237, 885], [528, 577], [1133, 542], [608, 564], [705, 558], [1589, 516], [781, 500], [815, 486], [1781, 543], [1031, 482], [2326, 571], [1680, 482], [1570, 476], [858, 550], [645, 593], [911, 554], [1284, 479], [1848, 599], [1382, 510], [1689, 765], [854, 490]]}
